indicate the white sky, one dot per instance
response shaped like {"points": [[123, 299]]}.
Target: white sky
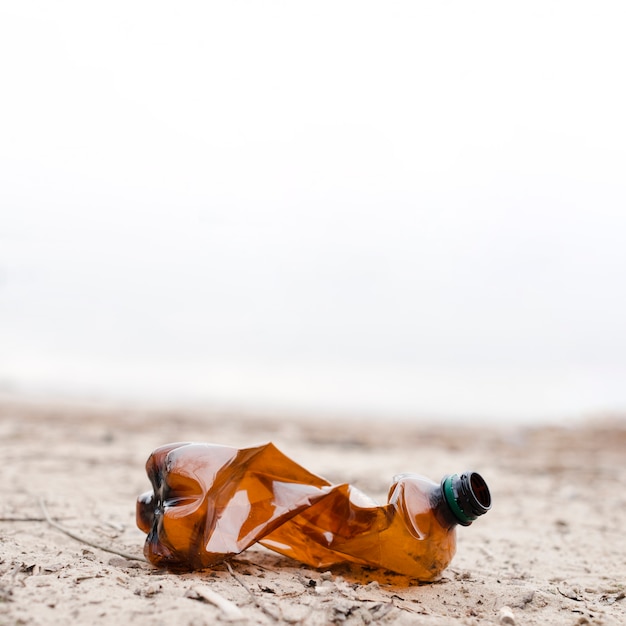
{"points": [[400, 207]]}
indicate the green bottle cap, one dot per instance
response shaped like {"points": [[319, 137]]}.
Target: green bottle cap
{"points": [[467, 496]]}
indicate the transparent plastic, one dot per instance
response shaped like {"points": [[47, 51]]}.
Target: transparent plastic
{"points": [[210, 502]]}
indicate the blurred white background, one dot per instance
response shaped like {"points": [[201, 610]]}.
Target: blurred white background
{"points": [[387, 209]]}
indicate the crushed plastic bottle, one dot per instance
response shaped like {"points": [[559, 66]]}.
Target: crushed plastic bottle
{"points": [[210, 502]]}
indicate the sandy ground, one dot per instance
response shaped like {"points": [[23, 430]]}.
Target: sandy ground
{"points": [[551, 551]]}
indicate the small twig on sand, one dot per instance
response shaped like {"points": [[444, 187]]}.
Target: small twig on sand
{"points": [[69, 533], [230, 609], [254, 598], [572, 595]]}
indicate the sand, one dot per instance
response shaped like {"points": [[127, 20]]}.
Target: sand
{"points": [[551, 551]]}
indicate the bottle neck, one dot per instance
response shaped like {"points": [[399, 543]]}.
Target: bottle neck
{"points": [[462, 499]]}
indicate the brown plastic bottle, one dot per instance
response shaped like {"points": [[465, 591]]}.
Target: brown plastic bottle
{"points": [[210, 502]]}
